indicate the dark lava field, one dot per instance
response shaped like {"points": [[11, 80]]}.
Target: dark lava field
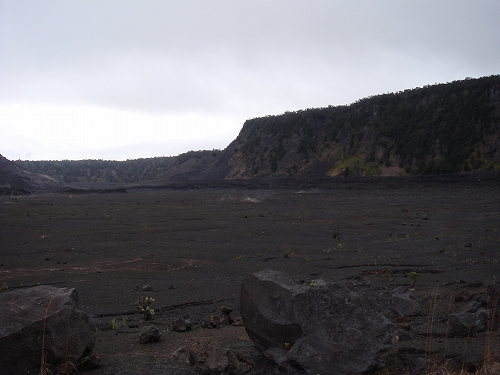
{"points": [[194, 246]]}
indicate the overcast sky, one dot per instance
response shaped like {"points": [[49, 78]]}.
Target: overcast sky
{"points": [[129, 79]]}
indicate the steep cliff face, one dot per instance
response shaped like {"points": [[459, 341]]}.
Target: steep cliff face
{"points": [[445, 128]]}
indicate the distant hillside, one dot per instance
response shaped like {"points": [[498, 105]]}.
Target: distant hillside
{"points": [[439, 129], [15, 180], [175, 168], [444, 128], [98, 171]]}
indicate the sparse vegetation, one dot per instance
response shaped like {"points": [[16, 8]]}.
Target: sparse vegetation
{"points": [[413, 277], [44, 370], [143, 307]]}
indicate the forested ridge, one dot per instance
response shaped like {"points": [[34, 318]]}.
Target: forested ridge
{"points": [[111, 171], [91, 171], [436, 129], [444, 128]]}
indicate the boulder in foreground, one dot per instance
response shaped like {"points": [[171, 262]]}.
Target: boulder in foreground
{"points": [[332, 328], [42, 317]]}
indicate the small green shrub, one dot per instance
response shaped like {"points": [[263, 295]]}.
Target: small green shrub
{"points": [[143, 307], [413, 276]]}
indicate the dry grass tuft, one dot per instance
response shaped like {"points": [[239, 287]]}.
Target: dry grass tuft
{"points": [[44, 370]]}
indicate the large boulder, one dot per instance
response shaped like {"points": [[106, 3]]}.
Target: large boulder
{"points": [[42, 317], [473, 318], [329, 328]]}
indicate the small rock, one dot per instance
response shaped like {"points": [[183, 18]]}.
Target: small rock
{"points": [[91, 362], [403, 303], [147, 288], [181, 325], [184, 355], [221, 361], [211, 324], [225, 319], [238, 322], [461, 297], [149, 334]]}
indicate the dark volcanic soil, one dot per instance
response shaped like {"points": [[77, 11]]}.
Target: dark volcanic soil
{"points": [[193, 248]]}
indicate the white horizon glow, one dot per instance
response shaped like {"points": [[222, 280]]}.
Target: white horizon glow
{"points": [[106, 133]]}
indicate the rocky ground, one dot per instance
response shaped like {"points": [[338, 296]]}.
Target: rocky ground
{"points": [[189, 249]]}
